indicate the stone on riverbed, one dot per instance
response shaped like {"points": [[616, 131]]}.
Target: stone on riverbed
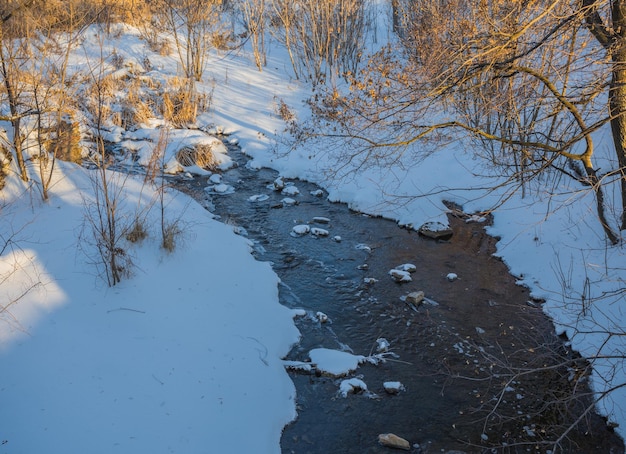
{"points": [[316, 231], [290, 190], [352, 386], [393, 441], [415, 298], [299, 230], [407, 267], [322, 317], [393, 387], [321, 220], [279, 184], [436, 230], [400, 275], [289, 202]]}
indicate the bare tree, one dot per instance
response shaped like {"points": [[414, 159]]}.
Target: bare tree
{"points": [[193, 25], [12, 56], [527, 79], [325, 39], [103, 212], [254, 17]]}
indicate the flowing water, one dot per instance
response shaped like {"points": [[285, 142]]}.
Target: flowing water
{"points": [[461, 356]]}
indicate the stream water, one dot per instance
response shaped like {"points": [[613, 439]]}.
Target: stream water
{"points": [[462, 356]]}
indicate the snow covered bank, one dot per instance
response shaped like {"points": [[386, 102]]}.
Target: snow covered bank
{"points": [[182, 357]]}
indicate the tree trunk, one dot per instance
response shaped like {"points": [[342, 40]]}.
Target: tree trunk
{"points": [[15, 114], [617, 97], [617, 110]]}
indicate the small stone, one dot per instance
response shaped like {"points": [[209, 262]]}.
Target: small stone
{"points": [[352, 386], [317, 193], [216, 178], [321, 220], [279, 184], [337, 239], [319, 232], [393, 441], [382, 344], [415, 297], [451, 277], [223, 188], [290, 190], [363, 267], [393, 387], [322, 317], [288, 202], [407, 267], [299, 230], [258, 198], [363, 247]]}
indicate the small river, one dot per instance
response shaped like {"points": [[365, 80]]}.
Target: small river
{"points": [[463, 356]]}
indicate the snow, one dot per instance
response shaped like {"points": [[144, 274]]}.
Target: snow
{"points": [[400, 275], [351, 386], [180, 357], [300, 229], [335, 362], [393, 387], [185, 355]]}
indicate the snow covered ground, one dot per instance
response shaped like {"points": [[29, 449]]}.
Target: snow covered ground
{"points": [[185, 355]]}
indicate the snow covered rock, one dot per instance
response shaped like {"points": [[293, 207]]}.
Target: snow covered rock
{"points": [[436, 230], [400, 275], [300, 230], [223, 188], [319, 232], [288, 202], [258, 198], [335, 362], [279, 184], [216, 178], [452, 277], [382, 344], [290, 190], [393, 441], [322, 317], [407, 267], [352, 386], [393, 387]]}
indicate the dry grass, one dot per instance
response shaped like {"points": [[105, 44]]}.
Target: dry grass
{"points": [[137, 232], [179, 107], [171, 232], [133, 114], [200, 155], [63, 140]]}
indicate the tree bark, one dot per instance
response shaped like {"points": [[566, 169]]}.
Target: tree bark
{"points": [[617, 95]]}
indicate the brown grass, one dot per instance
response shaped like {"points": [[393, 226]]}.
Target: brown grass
{"points": [[200, 155], [63, 140]]}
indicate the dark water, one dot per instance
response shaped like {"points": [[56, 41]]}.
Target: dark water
{"points": [[464, 362]]}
